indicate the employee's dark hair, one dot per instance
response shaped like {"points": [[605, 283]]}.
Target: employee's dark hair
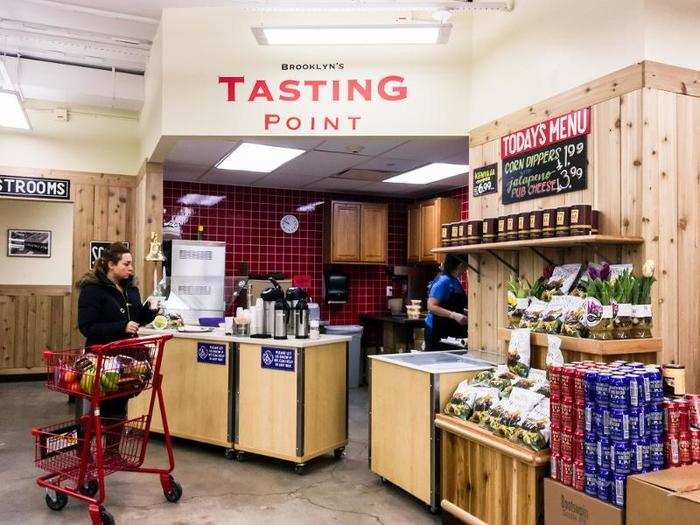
{"points": [[112, 254], [451, 263]]}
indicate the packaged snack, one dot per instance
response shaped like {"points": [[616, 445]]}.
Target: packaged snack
{"points": [[574, 317], [463, 400], [535, 429], [562, 280], [518, 360], [554, 355], [551, 319], [532, 314]]}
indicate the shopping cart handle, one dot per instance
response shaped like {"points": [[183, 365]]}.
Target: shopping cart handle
{"points": [[130, 342]]}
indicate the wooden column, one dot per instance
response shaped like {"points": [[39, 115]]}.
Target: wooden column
{"points": [[148, 217]]}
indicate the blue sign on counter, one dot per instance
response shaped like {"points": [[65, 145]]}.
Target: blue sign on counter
{"points": [[277, 358], [213, 353]]}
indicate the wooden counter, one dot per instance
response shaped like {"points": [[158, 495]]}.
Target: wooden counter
{"points": [[488, 479], [404, 400]]}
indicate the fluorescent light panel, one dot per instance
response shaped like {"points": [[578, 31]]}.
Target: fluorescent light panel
{"points": [[351, 35], [12, 113], [258, 158], [430, 173]]}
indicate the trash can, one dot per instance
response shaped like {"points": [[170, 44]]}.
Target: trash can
{"points": [[354, 350]]}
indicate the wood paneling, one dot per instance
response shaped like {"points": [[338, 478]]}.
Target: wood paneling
{"points": [[33, 318], [374, 229], [675, 79]]}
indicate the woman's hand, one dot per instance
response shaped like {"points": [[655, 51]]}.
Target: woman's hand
{"points": [[132, 328], [153, 306]]}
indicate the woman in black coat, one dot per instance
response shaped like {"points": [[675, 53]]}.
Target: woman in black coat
{"points": [[110, 309]]}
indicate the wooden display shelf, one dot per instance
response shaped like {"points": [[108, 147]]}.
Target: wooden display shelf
{"points": [[474, 432], [553, 242], [593, 346]]}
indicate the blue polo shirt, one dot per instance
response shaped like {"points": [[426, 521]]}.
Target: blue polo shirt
{"points": [[441, 289]]}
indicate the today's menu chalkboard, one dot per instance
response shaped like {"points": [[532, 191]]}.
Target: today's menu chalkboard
{"points": [[484, 180], [559, 168]]}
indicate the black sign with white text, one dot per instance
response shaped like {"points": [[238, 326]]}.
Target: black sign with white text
{"points": [[58, 189], [485, 180]]}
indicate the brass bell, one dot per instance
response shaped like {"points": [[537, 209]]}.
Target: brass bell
{"points": [[155, 253]]}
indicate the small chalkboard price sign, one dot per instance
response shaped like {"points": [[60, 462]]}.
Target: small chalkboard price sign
{"points": [[485, 180], [558, 168]]}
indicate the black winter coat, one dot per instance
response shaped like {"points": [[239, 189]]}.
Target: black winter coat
{"points": [[103, 311]]}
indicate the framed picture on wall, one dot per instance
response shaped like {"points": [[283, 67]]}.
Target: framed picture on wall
{"points": [[28, 243]]}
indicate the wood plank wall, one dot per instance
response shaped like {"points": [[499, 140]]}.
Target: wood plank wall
{"points": [[34, 318], [644, 176]]}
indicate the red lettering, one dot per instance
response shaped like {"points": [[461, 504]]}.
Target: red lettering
{"points": [[260, 89], [315, 85], [271, 118], [231, 84], [336, 90], [364, 91], [290, 88], [354, 121], [329, 123], [398, 92], [293, 119]]}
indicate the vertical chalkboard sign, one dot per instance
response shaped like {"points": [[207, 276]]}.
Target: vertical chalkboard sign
{"points": [[558, 168], [485, 180]]}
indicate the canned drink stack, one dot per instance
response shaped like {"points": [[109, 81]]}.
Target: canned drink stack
{"points": [[620, 455], [604, 481], [671, 451], [637, 422], [568, 375], [655, 418], [579, 416], [617, 490], [555, 412], [602, 389], [684, 452], [671, 417], [567, 472], [590, 378], [657, 452], [683, 415], [580, 384], [635, 390], [554, 372], [555, 441], [655, 384], [619, 424], [579, 476], [618, 391], [567, 414], [567, 446], [603, 453]]}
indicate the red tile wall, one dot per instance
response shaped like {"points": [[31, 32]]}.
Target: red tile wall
{"points": [[247, 219]]}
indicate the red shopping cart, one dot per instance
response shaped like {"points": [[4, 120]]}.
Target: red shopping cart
{"points": [[78, 454]]}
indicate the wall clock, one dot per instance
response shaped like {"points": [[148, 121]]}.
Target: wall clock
{"points": [[289, 224]]}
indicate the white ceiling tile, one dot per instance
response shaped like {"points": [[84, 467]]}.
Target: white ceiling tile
{"points": [[182, 172], [341, 185], [200, 152], [320, 164], [232, 177], [460, 158], [285, 180], [391, 188], [427, 150], [389, 164], [305, 143], [369, 146]]}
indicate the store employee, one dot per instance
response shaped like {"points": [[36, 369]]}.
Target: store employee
{"points": [[447, 303]]}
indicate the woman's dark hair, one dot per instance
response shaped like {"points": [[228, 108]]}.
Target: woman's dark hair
{"points": [[113, 254], [451, 263]]}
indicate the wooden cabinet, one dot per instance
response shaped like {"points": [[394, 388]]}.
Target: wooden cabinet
{"points": [[424, 221], [356, 232]]}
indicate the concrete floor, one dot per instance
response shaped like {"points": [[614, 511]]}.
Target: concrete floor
{"points": [[215, 490]]}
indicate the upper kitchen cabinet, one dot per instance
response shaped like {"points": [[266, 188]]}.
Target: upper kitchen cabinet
{"points": [[356, 232], [424, 222]]}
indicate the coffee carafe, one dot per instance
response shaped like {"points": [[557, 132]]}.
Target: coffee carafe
{"points": [[270, 296], [300, 317], [293, 295], [281, 310]]}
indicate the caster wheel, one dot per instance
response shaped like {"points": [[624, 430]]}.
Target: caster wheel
{"points": [[241, 456], [339, 452], [56, 501], [434, 510], [230, 453], [299, 468], [106, 517], [175, 492], [90, 488]]}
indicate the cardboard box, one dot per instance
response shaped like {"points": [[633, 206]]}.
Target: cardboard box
{"points": [[565, 506], [665, 496]]}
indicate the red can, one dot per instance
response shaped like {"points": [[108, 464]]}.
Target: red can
{"points": [[555, 441], [567, 414], [555, 380], [579, 416], [684, 448], [567, 446], [578, 447], [580, 384], [567, 472], [694, 409], [555, 467], [671, 417], [695, 445], [671, 450], [568, 375], [579, 476], [555, 412], [683, 414]]}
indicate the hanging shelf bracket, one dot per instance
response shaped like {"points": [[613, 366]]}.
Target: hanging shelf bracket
{"points": [[515, 269], [543, 256], [476, 269]]}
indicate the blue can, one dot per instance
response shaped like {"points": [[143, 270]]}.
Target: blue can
{"points": [[654, 413], [620, 457], [637, 420], [589, 382], [656, 451], [635, 387], [617, 490], [589, 425], [602, 389], [646, 384], [655, 384], [618, 391], [598, 420], [637, 364], [605, 431], [590, 480], [619, 424], [604, 482], [639, 454], [590, 452], [603, 459]]}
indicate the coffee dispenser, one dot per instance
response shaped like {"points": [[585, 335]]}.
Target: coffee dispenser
{"points": [[300, 318], [270, 296], [281, 311], [293, 296]]}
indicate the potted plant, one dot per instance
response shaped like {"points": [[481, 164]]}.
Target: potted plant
{"points": [[641, 309], [598, 309], [622, 307], [517, 299]]}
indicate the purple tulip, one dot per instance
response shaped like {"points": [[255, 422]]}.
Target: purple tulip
{"points": [[604, 270]]}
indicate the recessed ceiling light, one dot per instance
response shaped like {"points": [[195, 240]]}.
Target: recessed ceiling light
{"points": [[351, 35], [12, 113], [430, 173], [258, 157]]}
